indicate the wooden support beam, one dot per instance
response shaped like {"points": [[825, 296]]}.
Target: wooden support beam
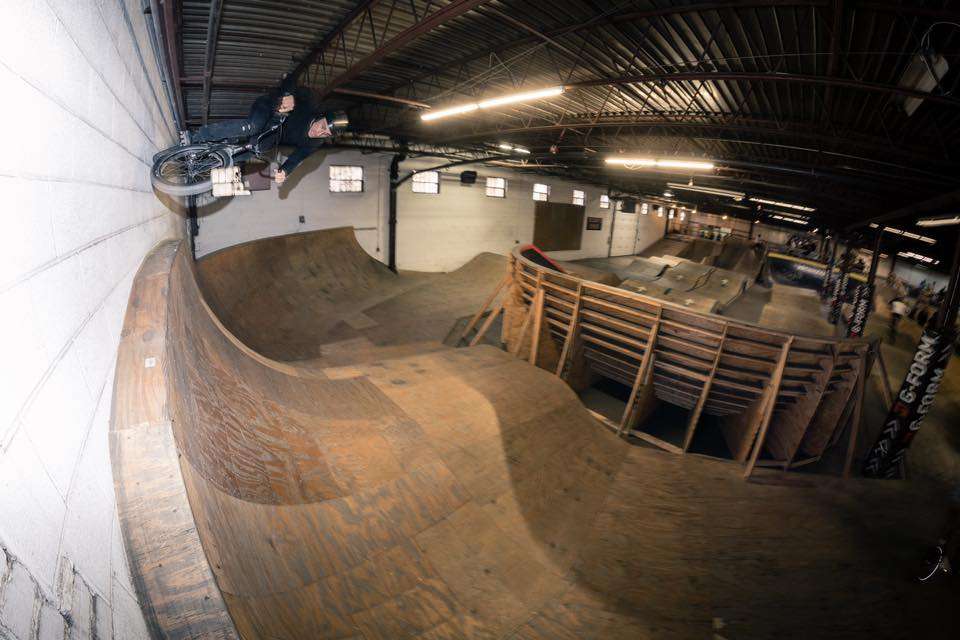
{"points": [[537, 311], [770, 401], [856, 417], [486, 303], [823, 388], [486, 324], [571, 333], [644, 372], [704, 393]]}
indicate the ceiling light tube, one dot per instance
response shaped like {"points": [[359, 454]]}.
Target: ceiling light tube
{"points": [[655, 163], [451, 111], [786, 219], [907, 234], [736, 195], [786, 205], [490, 103], [938, 222], [525, 96]]}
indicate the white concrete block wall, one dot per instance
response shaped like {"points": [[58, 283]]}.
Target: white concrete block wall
{"points": [[227, 222], [85, 113]]}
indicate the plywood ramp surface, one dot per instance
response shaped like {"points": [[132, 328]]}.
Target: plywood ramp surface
{"points": [[467, 494]]}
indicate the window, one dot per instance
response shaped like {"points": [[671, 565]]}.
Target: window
{"points": [[541, 192], [346, 179], [426, 182], [497, 187], [579, 197], [659, 212], [644, 208], [604, 201]]}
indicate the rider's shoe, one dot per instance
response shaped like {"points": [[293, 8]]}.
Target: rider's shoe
{"points": [[184, 138]]}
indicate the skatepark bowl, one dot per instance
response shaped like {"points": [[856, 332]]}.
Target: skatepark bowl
{"points": [[299, 453]]}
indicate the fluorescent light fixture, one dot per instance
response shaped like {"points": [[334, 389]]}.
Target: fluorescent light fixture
{"points": [[509, 147], [943, 221], [655, 163], [785, 205], [491, 103], [450, 111], [668, 194], [724, 217], [776, 216], [918, 257], [908, 234], [713, 191], [525, 96]]}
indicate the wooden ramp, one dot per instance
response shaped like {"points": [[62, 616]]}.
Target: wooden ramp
{"points": [[458, 494]]}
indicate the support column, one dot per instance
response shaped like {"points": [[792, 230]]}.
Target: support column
{"points": [[864, 298], [919, 387], [392, 211], [750, 233]]}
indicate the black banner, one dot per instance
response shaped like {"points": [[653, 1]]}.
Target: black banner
{"points": [[911, 404], [861, 311], [839, 294], [796, 272]]}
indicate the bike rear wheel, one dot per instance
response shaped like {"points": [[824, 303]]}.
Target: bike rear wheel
{"points": [[185, 171]]}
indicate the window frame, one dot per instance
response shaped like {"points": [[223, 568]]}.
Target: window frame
{"points": [[331, 179], [536, 192], [436, 183], [582, 197], [502, 189], [604, 201]]}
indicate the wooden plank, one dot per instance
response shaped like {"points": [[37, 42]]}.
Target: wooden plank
{"points": [[769, 406]]}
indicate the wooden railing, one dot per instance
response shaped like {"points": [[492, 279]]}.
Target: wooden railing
{"points": [[782, 400]]}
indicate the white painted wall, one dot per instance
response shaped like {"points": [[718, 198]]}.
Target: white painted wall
{"points": [[84, 114], [263, 214], [442, 232], [434, 232]]}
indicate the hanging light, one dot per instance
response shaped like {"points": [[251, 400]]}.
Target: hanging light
{"points": [[490, 103]]}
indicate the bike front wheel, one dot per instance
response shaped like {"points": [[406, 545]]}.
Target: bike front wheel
{"points": [[185, 171]]}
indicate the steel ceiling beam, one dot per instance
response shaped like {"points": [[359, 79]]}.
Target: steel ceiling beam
{"points": [[634, 15], [213, 31], [739, 76], [427, 23], [753, 126], [314, 54], [932, 205]]}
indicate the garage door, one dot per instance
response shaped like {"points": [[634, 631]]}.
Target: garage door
{"points": [[624, 234]]}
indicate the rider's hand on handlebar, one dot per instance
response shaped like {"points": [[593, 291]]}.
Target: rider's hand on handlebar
{"points": [[280, 176], [286, 104]]}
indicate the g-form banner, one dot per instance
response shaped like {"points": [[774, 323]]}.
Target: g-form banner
{"points": [[911, 404], [861, 310], [839, 295]]}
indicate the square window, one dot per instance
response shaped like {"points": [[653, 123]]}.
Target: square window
{"points": [[346, 179], [579, 197], [426, 182], [604, 201], [497, 187], [644, 208], [541, 192]]}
